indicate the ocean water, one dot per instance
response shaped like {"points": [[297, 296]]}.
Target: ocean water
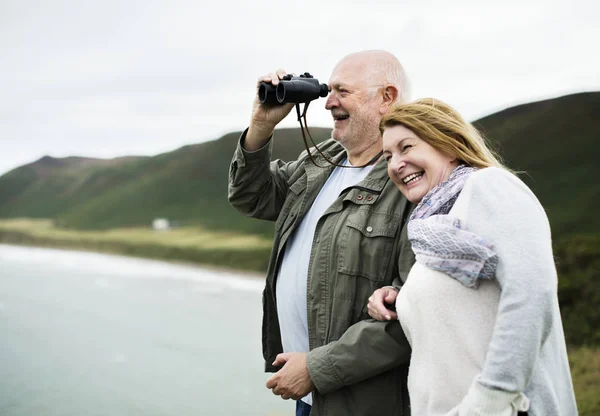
{"points": [[93, 334]]}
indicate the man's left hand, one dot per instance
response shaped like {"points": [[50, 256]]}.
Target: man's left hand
{"points": [[293, 380]]}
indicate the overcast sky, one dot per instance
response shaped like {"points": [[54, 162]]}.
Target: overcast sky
{"points": [[111, 78]]}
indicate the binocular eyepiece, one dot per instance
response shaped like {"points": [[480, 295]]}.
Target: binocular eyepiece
{"points": [[291, 89]]}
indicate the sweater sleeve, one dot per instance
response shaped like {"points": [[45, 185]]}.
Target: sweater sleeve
{"points": [[503, 210]]}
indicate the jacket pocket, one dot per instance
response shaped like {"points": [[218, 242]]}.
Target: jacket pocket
{"points": [[297, 183], [291, 208], [367, 244]]}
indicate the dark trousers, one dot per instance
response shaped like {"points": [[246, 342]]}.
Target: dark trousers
{"points": [[302, 409]]}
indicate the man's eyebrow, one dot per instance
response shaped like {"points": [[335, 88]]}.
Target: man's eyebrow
{"points": [[338, 85]]}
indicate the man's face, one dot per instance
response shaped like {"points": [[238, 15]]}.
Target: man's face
{"points": [[354, 104]]}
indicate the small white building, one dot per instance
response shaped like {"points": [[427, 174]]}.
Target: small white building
{"points": [[161, 224]]}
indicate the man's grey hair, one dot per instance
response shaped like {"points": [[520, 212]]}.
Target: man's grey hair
{"points": [[386, 69], [395, 75]]}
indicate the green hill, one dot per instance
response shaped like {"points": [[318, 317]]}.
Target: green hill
{"points": [[552, 141], [188, 185], [51, 187], [555, 142]]}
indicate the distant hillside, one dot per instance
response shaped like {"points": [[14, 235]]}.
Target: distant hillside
{"points": [[554, 141], [557, 144], [188, 185], [50, 187]]}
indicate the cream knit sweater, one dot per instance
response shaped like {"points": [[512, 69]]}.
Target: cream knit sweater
{"points": [[499, 348]]}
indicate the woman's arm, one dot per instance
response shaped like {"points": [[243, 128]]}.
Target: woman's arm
{"points": [[503, 210]]}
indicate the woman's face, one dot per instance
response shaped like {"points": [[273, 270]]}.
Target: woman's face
{"points": [[413, 165]]}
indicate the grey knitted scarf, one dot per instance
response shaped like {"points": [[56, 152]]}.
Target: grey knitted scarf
{"points": [[439, 240]]}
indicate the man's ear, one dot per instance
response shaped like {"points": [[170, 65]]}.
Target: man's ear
{"points": [[389, 95]]}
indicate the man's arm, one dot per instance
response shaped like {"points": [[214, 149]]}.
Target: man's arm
{"points": [[366, 349], [257, 187], [504, 211]]}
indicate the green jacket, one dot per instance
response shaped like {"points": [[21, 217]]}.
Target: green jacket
{"points": [[359, 366]]}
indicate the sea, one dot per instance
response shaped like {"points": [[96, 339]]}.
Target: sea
{"points": [[94, 334]]}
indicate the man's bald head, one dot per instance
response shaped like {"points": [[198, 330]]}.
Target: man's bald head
{"points": [[380, 68]]}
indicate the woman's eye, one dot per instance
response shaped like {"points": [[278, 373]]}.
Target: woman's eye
{"points": [[406, 147]]}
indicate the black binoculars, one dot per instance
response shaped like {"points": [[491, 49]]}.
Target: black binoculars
{"points": [[291, 89]]}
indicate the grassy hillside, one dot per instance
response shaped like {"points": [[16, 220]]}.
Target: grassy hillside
{"points": [[192, 244], [50, 187], [188, 185], [556, 142], [553, 141]]}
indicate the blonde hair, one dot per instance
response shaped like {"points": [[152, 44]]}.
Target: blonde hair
{"points": [[443, 128]]}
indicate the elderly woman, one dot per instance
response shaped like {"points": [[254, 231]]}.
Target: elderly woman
{"points": [[480, 306]]}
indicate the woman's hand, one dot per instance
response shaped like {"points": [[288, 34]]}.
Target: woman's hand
{"points": [[379, 302]]}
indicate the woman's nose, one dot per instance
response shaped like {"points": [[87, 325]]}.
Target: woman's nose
{"points": [[398, 162]]}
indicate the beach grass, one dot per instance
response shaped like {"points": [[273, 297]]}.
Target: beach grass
{"points": [[585, 370], [190, 244]]}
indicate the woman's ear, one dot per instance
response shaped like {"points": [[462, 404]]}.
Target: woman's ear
{"points": [[389, 95]]}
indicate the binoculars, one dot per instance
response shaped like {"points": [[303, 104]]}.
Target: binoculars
{"points": [[291, 89]]}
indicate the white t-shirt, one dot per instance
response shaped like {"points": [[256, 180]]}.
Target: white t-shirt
{"points": [[292, 277]]}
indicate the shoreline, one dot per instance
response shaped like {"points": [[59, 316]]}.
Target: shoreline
{"points": [[242, 273], [225, 251]]}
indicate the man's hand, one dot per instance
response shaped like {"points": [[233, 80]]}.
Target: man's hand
{"points": [[293, 380], [265, 117], [377, 304]]}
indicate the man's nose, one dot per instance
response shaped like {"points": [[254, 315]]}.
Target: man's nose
{"points": [[332, 101]]}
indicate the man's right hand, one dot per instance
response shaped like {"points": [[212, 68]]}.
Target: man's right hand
{"points": [[265, 117], [377, 304]]}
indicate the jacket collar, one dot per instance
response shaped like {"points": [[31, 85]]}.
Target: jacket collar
{"points": [[375, 181]]}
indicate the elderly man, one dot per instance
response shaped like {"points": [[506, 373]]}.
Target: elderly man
{"points": [[339, 235]]}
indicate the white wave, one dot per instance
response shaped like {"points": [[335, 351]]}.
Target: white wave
{"points": [[126, 267]]}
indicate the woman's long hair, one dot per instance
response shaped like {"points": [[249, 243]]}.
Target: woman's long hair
{"points": [[442, 127]]}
